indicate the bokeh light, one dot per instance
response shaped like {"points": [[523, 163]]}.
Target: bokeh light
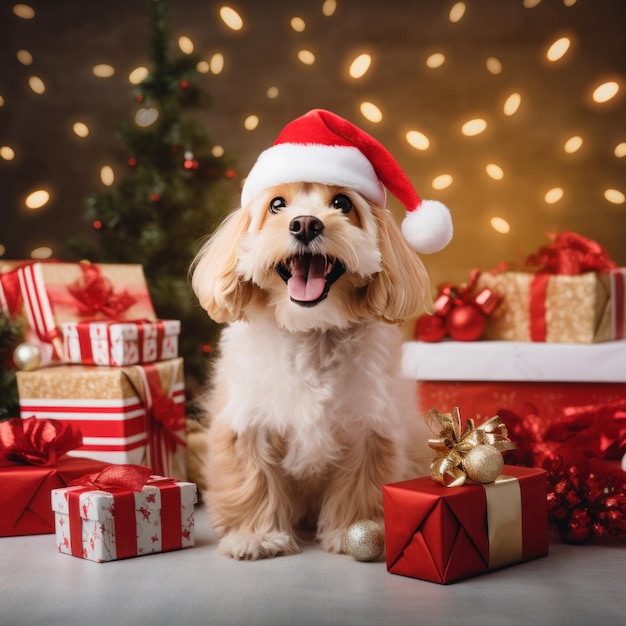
{"points": [[360, 65], [231, 18], [371, 112], [457, 12], [251, 122], [103, 70], [37, 199], [474, 127], [417, 140], [605, 92], [435, 60], [500, 225], [554, 195]]}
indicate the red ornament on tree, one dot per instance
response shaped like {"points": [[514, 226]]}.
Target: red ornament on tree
{"points": [[184, 84], [465, 323], [431, 328]]}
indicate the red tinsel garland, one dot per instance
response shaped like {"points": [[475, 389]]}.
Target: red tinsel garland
{"points": [[586, 487]]}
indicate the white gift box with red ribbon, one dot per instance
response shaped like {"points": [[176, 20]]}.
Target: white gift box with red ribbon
{"points": [[114, 343], [106, 524]]}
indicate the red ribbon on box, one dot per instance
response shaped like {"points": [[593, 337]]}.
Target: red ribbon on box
{"points": [[10, 294], [94, 294], [164, 417], [570, 254], [123, 481], [85, 341], [36, 441]]}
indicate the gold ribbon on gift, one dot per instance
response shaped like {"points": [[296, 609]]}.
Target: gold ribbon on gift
{"points": [[504, 521], [454, 443]]}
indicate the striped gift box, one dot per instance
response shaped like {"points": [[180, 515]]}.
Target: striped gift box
{"points": [[120, 343], [132, 414]]}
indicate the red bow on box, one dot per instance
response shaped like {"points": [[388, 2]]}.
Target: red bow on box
{"points": [[36, 441], [459, 313], [95, 294], [570, 254], [123, 481]]}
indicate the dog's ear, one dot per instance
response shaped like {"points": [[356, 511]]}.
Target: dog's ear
{"points": [[219, 288], [402, 289]]}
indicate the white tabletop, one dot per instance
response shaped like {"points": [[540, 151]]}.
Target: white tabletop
{"points": [[574, 585]]}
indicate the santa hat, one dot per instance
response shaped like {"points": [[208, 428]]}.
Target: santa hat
{"points": [[321, 147]]}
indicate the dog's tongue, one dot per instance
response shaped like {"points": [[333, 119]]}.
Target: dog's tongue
{"points": [[307, 280]]}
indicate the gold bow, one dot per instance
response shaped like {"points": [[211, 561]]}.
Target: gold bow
{"points": [[452, 445]]}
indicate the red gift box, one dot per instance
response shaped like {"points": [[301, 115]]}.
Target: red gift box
{"points": [[25, 493], [444, 534], [32, 464]]}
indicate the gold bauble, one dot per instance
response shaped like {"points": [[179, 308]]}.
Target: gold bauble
{"points": [[483, 464], [364, 540], [26, 357]]}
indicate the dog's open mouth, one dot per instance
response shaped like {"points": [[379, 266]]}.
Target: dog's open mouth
{"points": [[309, 277]]}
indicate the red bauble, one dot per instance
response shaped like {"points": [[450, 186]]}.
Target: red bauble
{"points": [[430, 328], [465, 323]]}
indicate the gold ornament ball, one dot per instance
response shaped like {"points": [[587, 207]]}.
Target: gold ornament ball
{"points": [[483, 464], [26, 357], [364, 540]]}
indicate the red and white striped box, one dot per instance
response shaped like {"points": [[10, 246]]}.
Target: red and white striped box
{"points": [[51, 293], [132, 414], [120, 343]]}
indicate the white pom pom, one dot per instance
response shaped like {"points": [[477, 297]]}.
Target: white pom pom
{"points": [[429, 228]]}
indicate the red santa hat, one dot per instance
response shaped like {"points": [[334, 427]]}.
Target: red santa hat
{"points": [[321, 147]]}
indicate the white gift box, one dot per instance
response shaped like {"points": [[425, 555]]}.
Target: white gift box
{"points": [[120, 343], [149, 525]]}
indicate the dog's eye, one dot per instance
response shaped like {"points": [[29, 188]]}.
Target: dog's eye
{"points": [[276, 204], [342, 203]]}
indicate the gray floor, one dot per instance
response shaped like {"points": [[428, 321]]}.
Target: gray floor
{"points": [[574, 585]]}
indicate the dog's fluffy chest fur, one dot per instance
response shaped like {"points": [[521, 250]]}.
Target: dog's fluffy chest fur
{"points": [[316, 390]]}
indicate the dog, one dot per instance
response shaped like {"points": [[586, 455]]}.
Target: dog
{"points": [[308, 412]]}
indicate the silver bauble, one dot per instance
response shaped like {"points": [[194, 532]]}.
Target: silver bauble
{"points": [[364, 540], [26, 357]]}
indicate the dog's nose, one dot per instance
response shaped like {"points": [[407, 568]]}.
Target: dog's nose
{"points": [[305, 228]]}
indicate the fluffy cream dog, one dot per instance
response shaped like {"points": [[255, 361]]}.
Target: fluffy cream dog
{"points": [[308, 412]]}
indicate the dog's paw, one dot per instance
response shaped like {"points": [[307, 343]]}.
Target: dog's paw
{"points": [[252, 546], [332, 541]]}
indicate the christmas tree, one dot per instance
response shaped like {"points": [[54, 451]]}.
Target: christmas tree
{"points": [[11, 333], [174, 191]]}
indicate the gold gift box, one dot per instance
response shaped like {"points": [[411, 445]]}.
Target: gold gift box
{"points": [[122, 416], [578, 309]]}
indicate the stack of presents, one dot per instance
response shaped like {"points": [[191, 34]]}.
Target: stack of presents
{"points": [[538, 344], [98, 454]]}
